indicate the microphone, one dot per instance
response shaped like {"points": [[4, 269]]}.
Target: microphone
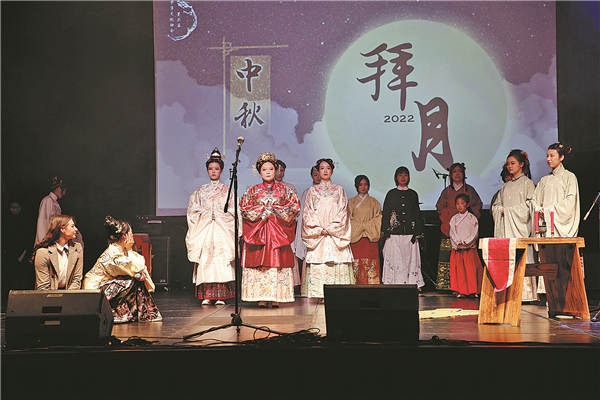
{"points": [[240, 140], [438, 174]]}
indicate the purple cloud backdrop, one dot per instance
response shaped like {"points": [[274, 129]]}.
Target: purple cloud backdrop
{"points": [[521, 40], [518, 36]]}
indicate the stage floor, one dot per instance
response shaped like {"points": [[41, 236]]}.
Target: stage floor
{"points": [[177, 358], [443, 317]]}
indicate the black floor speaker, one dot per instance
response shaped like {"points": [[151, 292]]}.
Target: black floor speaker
{"points": [[37, 318], [372, 313]]}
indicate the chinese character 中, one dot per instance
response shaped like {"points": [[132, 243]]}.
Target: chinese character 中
{"points": [[248, 72]]}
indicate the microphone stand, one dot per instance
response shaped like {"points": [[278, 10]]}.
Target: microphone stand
{"points": [[592, 206], [438, 174], [236, 319]]}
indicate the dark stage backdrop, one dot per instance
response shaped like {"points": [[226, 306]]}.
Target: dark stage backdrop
{"points": [[78, 100]]}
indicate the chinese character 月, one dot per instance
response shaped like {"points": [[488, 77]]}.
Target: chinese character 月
{"points": [[434, 129]]}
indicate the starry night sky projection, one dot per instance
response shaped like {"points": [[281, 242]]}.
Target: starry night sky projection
{"points": [[519, 38]]}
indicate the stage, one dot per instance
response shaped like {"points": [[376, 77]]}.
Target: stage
{"points": [[555, 355]]}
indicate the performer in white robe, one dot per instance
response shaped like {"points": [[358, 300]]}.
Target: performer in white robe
{"points": [[556, 198], [210, 239], [326, 234], [557, 194], [512, 210]]}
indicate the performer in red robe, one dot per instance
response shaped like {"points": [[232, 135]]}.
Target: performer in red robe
{"points": [[269, 212]]}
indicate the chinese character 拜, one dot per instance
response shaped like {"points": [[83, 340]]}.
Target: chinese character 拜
{"points": [[401, 69]]}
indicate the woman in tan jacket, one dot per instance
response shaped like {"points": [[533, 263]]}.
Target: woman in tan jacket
{"points": [[364, 212]]}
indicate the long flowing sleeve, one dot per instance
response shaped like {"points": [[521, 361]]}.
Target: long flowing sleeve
{"points": [[515, 206], [464, 230], [558, 193], [269, 225], [365, 219], [311, 223], [207, 223], [497, 215], [326, 208], [113, 262], [333, 219]]}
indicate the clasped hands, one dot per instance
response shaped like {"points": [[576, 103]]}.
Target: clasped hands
{"points": [[268, 211]]}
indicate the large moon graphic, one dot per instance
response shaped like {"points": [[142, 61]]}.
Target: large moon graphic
{"points": [[375, 137]]}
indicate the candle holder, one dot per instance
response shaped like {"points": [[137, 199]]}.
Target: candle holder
{"points": [[542, 227]]}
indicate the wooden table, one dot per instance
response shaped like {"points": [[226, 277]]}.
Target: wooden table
{"points": [[560, 263]]}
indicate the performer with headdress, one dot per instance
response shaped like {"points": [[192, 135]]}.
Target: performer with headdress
{"points": [[269, 212], [446, 208], [210, 239], [326, 234]]}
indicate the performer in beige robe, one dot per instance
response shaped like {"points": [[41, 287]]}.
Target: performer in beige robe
{"points": [[365, 220], [326, 234]]}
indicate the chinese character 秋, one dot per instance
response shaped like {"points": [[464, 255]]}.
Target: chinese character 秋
{"points": [[247, 116]]}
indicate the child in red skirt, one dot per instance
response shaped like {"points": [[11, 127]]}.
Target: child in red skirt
{"points": [[466, 270]]}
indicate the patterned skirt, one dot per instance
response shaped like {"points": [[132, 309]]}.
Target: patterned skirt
{"points": [[130, 300], [366, 262], [402, 261], [215, 291], [268, 284], [317, 275]]}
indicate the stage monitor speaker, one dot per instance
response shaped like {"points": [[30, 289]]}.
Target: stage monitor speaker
{"points": [[160, 259], [36, 318], [372, 313]]}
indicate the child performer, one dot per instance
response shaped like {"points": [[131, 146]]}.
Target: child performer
{"points": [[466, 271]]}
